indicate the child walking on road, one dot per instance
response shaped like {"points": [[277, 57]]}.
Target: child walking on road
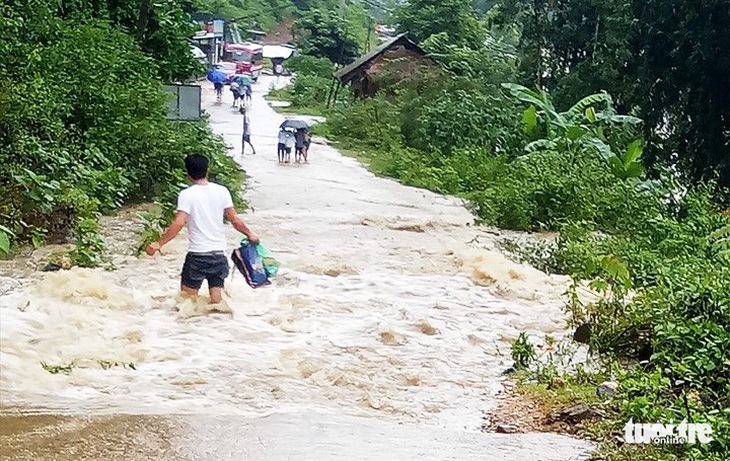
{"points": [[246, 131], [284, 146]]}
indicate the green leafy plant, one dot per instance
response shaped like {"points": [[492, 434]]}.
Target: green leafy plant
{"points": [[56, 369], [581, 127], [154, 223], [5, 235], [90, 246], [523, 352], [721, 241]]}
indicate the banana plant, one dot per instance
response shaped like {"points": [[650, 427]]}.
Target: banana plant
{"points": [[581, 125], [624, 166]]}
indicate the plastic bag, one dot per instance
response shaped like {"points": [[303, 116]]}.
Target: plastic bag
{"points": [[255, 262], [271, 265], [249, 263]]}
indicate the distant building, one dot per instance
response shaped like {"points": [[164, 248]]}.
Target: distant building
{"points": [[399, 56]]}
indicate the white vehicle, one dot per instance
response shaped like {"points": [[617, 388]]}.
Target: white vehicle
{"points": [[198, 54]]}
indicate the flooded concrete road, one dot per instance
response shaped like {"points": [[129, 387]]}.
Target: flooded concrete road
{"points": [[274, 438], [386, 332]]}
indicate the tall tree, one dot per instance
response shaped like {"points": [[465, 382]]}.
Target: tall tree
{"points": [[323, 33], [683, 67], [455, 18], [161, 28], [668, 61]]}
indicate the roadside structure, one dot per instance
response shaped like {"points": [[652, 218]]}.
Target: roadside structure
{"points": [[399, 57]]}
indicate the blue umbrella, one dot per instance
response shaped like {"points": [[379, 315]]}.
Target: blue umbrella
{"points": [[216, 76]]}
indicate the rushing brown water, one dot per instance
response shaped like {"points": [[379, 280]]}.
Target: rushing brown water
{"points": [[386, 307]]}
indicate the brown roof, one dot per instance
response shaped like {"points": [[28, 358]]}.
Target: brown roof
{"points": [[348, 72]]}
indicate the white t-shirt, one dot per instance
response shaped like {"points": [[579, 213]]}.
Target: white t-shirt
{"points": [[283, 135], [289, 141], [206, 206]]}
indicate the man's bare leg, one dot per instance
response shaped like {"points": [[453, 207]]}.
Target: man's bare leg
{"points": [[189, 292], [216, 295]]}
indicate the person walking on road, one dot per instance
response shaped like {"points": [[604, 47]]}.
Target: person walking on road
{"points": [[290, 144], [217, 78], [248, 94], [300, 137], [283, 148], [203, 207], [246, 138], [236, 90]]}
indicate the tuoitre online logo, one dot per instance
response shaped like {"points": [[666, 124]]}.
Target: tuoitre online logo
{"points": [[667, 434]]}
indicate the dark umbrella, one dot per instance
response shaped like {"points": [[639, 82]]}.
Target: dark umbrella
{"points": [[296, 124]]}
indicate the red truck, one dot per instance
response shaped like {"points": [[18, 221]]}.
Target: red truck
{"points": [[247, 56]]}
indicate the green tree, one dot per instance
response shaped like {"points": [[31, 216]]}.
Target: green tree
{"points": [[161, 28], [260, 14], [683, 70], [323, 33], [666, 61], [455, 18]]}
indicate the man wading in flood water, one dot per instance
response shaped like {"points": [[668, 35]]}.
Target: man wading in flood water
{"points": [[203, 206]]}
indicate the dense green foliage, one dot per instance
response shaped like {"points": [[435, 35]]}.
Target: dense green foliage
{"points": [[83, 128], [322, 33], [249, 14], [160, 28], [454, 18], [666, 60], [569, 157], [312, 83]]}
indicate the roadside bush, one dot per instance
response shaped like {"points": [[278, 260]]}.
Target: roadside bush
{"points": [[305, 64], [309, 91], [372, 123], [549, 189]]}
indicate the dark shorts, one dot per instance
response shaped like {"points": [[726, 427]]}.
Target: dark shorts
{"points": [[247, 138], [212, 267], [218, 86]]}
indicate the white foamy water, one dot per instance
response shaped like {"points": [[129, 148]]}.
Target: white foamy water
{"points": [[384, 308]]}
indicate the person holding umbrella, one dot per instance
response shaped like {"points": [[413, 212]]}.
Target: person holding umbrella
{"points": [[300, 137], [244, 85], [301, 128], [217, 78]]}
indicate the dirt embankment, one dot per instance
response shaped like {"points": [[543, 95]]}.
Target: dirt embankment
{"points": [[282, 33]]}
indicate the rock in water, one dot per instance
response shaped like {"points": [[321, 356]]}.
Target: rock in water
{"points": [[576, 414], [582, 334], [506, 429], [607, 389]]}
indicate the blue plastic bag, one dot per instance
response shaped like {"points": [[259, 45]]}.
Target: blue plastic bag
{"points": [[249, 262]]}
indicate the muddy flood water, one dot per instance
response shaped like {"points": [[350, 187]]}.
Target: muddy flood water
{"points": [[384, 336]]}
